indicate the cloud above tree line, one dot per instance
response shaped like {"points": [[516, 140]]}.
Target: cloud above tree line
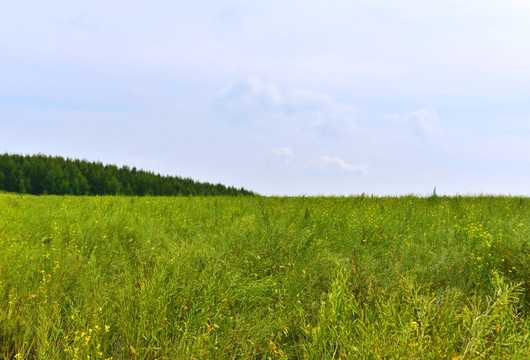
{"points": [[253, 100]]}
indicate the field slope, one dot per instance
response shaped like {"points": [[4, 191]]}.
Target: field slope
{"points": [[258, 278]]}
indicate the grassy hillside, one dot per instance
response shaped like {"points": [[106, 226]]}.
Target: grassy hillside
{"points": [[253, 277]]}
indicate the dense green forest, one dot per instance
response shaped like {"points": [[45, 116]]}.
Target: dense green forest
{"points": [[41, 174]]}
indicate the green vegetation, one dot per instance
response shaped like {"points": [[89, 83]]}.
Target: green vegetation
{"points": [[258, 278], [41, 174]]}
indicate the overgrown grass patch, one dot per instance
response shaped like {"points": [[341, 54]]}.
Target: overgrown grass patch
{"points": [[258, 278]]}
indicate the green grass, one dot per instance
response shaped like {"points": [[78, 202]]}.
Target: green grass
{"points": [[259, 278]]}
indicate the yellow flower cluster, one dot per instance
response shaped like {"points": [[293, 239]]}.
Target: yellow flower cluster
{"points": [[86, 343]]}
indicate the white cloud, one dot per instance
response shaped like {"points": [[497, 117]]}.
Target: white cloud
{"points": [[250, 96], [333, 164], [282, 156], [424, 120], [283, 151], [253, 100]]}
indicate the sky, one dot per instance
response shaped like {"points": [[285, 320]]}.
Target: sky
{"points": [[283, 97]]}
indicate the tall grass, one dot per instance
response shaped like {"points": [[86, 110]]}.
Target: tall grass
{"points": [[258, 278]]}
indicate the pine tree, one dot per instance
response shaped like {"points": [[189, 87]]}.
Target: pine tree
{"points": [[22, 186]]}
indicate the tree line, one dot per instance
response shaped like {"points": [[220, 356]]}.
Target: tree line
{"points": [[42, 174]]}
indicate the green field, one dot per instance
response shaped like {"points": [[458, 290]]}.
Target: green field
{"points": [[258, 278]]}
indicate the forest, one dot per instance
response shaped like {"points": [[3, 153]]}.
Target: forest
{"points": [[41, 174]]}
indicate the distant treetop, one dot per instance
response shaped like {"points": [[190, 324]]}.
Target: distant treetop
{"points": [[41, 174]]}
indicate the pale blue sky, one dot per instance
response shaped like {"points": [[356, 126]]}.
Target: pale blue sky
{"points": [[281, 97]]}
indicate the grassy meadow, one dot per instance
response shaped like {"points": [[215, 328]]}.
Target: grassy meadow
{"points": [[264, 278]]}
